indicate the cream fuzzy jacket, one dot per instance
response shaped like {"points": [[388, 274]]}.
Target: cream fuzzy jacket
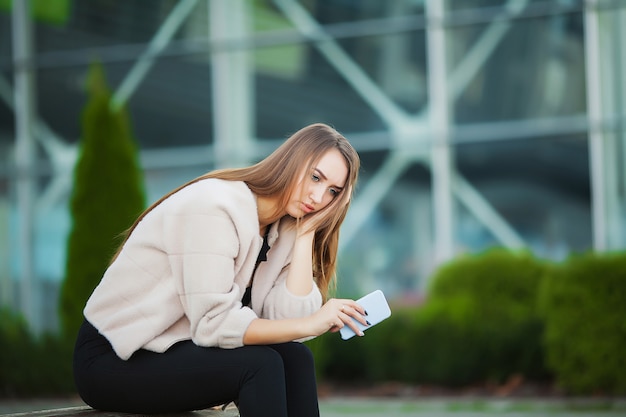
{"points": [[183, 271]]}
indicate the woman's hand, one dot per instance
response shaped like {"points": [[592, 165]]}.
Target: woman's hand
{"points": [[308, 225], [311, 222], [336, 314], [333, 315]]}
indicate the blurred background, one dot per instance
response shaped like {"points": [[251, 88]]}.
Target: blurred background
{"points": [[491, 208], [480, 123]]}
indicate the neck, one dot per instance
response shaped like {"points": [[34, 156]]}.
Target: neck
{"points": [[266, 209]]}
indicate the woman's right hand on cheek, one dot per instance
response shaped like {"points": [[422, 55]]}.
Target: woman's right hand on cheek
{"points": [[336, 314], [307, 226]]}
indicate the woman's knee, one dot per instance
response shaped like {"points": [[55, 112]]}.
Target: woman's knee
{"points": [[304, 353], [296, 353], [263, 386], [264, 360]]}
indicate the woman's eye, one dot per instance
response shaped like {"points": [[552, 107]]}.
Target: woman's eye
{"points": [[315, 177], [333, 192]]}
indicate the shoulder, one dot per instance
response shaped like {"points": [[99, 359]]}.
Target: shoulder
{"points": [[213, 201], [213, 194], [210, 207], [221, 188]]}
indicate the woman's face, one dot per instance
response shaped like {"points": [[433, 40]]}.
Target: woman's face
{"points": [[318, 188]]}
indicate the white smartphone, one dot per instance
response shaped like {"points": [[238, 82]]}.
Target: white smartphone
{"points": [[377, 309]]}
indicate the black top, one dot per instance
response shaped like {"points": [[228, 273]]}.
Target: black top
{"points": [[247, 296]]}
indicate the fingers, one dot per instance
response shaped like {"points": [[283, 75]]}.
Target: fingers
{"points": [[353, 309], [347, 310]]}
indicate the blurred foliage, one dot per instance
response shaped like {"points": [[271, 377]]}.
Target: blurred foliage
{"points": [[32, 366], [584, 304], [555, 322], [107, 197], [489, 303], [50, 11], [480, 323], [287, 60]]}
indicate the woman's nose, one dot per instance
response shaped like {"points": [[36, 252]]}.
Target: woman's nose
{"points": [[316, 194]]}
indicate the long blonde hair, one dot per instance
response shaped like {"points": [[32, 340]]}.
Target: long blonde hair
{"points": [[279, 173]]}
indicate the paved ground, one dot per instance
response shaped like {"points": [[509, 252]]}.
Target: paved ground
{"points": [[472, 408], [414, 407]]}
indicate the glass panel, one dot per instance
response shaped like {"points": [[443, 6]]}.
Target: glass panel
{"points": [[540, 187], [391, 250], [520, 123], [532, 68]]}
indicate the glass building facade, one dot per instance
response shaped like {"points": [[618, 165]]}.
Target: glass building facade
{"points": [[480, 123]]}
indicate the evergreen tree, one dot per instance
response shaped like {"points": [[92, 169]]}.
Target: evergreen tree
{"points": [[108, 195]]}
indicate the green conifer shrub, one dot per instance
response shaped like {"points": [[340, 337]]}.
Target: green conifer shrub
{"points": [[107, 197]]}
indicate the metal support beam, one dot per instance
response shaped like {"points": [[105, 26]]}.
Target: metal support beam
{"points": [[352, 73], [146, 60], [63, 158], [375, 190], [62, 155], [476, 57], [486, 214], [6, 250], [611, 80], [232, 84], [620, 88], [408, 131], [594, 113], [440, 120], [24, 101], [604, 60]]}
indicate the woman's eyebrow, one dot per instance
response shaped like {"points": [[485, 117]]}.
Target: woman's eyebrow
{"points": [[326, 178]]}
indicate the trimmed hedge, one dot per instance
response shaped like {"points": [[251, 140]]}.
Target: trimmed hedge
{"points": [[488, 304], [566, 321], [498, 314], [480, 323], [30, 366], [379, 355], [584, 306]]}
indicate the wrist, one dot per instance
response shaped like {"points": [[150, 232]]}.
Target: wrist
{"points": [[306, 327], [306, 235]]}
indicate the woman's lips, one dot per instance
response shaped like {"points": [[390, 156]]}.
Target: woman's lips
{"points": [[307, 208]]}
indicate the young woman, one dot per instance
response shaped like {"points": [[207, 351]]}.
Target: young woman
{"points": [[217, 283]]}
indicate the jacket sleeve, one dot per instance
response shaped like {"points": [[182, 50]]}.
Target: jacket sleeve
{"points": [[283, 304], [203, 249]]}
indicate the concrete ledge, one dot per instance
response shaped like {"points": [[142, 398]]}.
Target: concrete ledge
{"points": [[231, 411]]}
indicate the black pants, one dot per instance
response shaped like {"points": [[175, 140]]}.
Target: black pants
{"points": [[274, 380]]}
